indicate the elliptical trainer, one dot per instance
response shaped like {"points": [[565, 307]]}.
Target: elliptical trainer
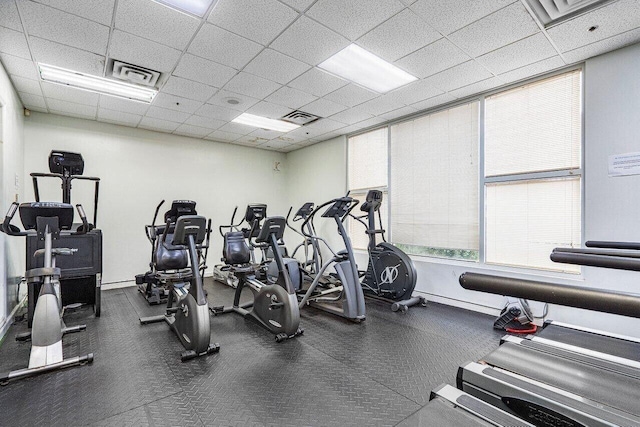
{"points": [[312, 254], [274, 305], [162, 260], [187, 308], [391, 275], [50, 220]]}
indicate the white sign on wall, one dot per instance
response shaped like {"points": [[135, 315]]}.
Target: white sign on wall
{"points": [[624, 164]]}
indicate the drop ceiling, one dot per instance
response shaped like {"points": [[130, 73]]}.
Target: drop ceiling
{"points": [[261, 57]]}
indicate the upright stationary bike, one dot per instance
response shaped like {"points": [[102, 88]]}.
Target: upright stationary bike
{"points": [[274, 305], [187, 308], [391, 275], [50, 220]]}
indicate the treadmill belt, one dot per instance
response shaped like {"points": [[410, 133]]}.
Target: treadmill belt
{"points": [[609, 388], [592, 341]]}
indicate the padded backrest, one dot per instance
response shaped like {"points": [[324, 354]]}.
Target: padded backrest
{"points": [[235, 250], [168, 257]]}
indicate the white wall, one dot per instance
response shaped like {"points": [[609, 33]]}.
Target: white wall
{"points": [[12, 161], [138, 168], [612, 205]]}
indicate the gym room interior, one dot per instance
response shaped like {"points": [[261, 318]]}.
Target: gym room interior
{"points": [[487, 151]]}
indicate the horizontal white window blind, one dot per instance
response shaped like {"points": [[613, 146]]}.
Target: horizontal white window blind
{"points": [[536, 127], [368, 160], [526, 220], [434, 182]]}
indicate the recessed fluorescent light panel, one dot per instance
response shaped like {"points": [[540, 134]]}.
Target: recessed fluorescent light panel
{"points": [[77, 80], [264, 123], [194, 7], [364, 68]]}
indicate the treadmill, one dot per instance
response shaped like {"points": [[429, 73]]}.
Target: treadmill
{"points": [[450, 407]]}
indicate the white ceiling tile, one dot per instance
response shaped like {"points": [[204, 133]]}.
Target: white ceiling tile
{"points": [[36, 108], [496, 30], [124, 105], [290, 148], [250, 140], [404, 33], [251, 85], [248, 17], [292, 98], [350, 95], [145, 53], [14, 43], [275, 144], [518, 54], [96, 10], [223, 47], [369, 122], [459, 76], [265, 133], [300, 134], [31, 101], [299, 5], [232, 100], [532, 69], [267, 109], [275, 66], [118, 117], [155, 21], [351, 116], [416, 91], [60, 55], [176, 103], [205, 122], [66, 93], [323, 107], [26, 85], [188, 89], [612, 19], [217, 112], [190, 130], [602, 46], [400, 112], [80, 114], [353, 18], [309, 41], [19, 66], [433, 58], [9, 16], [433, 102], [323, 126], [451, 15], [477, 88], [219, 135], [317, 82], [157, 124], [166, 114], [71, 108], [380, 105], [204, 71], [53, 24], [237, 128]]}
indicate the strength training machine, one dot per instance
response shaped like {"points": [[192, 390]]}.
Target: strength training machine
{"points": [[46, 221], [187, 310]]}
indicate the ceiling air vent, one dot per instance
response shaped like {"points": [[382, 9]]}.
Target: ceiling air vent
{"points": [[133, 74], [299, 118], [552, 12]]}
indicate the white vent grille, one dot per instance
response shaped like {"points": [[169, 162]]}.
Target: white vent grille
{"points": [[551, 12], [134, 74], [299, 118]]}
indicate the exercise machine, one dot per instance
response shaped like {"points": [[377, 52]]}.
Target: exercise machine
{"points": [[187, 310], [346, 297], [253, 217], [163, 260], [274, 305], [81, 275], [450, 407], [46, 221], [310, 248], [391, 275]]}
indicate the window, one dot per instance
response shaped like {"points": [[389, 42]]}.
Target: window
{"points": [[532, 172], [435, 182], [368, 169]]}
